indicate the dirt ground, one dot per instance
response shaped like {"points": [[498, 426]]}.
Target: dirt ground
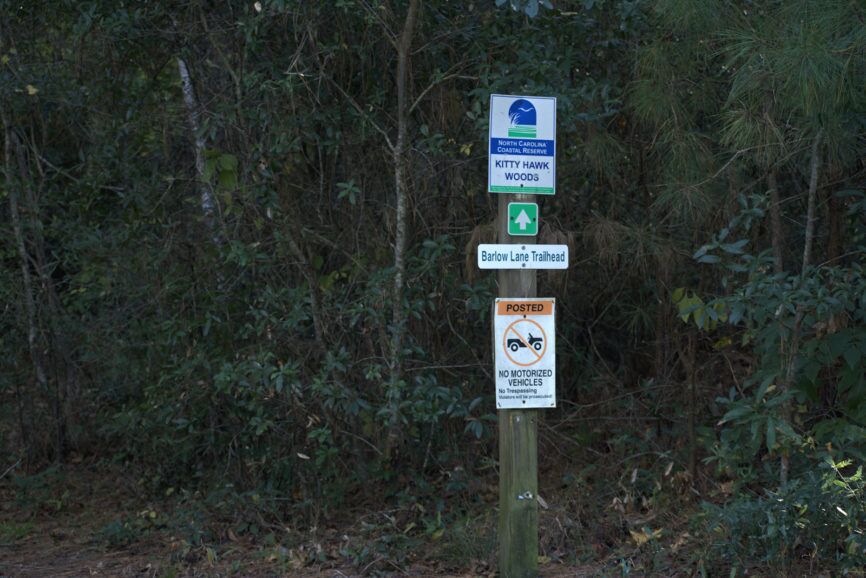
{"points": [[74, 524]]}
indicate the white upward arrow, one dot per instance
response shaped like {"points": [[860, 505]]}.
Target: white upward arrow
{"points": [[522, 219]]}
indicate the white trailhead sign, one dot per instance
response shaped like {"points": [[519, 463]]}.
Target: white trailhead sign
{"points": [[522, 145], [524, 345], [517, 256]]}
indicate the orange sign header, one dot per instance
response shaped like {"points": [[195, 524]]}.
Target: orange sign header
{"points": [[524, 308]]}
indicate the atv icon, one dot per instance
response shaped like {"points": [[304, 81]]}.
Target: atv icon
{"points": [[515, 344]]}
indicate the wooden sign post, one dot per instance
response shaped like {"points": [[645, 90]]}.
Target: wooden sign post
{"points": [[518, 441], [521, 164]]}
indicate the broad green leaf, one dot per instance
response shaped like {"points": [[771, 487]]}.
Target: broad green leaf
{"points": [[852, 356], [737, 413], [710, 259], [771, 434], [735, 248]]}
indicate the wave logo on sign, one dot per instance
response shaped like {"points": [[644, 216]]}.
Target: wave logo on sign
{"points": [[523, 119]]}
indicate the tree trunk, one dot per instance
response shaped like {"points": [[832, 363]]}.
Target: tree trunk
{"points": [[400, 155], [776, 232], [206, 196], [813, 194], [835, 227], [688, 362], [310, 276], [793, 350], [36, 354], [693, 378], [661, 334]]}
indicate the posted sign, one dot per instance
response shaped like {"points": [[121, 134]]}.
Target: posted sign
{"points": [[524, 342], [522, 145]]}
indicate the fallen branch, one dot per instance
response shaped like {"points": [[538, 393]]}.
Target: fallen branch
{"points": [[9, 469]]}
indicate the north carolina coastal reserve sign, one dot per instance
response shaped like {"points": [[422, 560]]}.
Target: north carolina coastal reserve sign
{"points": [[524, 342], [522, 145], [511, 256]]}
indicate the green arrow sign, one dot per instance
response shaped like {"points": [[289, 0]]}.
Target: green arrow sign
{"points": [[523, 219]]}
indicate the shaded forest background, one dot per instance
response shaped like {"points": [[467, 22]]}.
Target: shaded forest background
{"points": [[238, 260]]}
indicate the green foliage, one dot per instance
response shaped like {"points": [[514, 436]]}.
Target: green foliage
{"points": [[242, 359], [348, 190], [222, 168], [41, 491], [529, 7], [821, 310], [118, 533], [692, 306], [787, 71], [11, 532], [819, 517]]}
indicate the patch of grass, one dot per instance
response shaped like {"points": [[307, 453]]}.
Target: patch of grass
{"points": [[45, 490], [118, 533], [11, 532], [467, 542]]}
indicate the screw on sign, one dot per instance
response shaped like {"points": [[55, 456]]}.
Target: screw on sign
{"points": [[525, 342]]}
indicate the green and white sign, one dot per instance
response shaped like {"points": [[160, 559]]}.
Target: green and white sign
{"points": [[523, 219]]}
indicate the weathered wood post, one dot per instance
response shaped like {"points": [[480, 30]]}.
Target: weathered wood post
{"points": [[521, 163], [518, 447]]}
